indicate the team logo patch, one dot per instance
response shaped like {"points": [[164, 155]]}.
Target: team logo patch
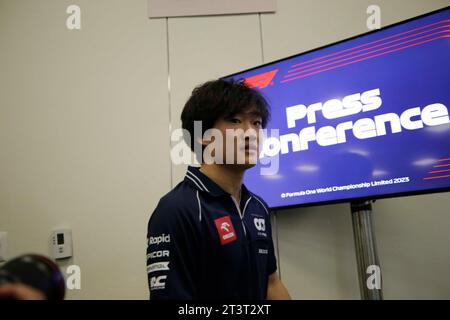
{"points": [[225, 229], [260, 224]]}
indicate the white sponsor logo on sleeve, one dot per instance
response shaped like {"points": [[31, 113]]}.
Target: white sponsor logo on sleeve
{"points": [[158, 254], [164, 238], [158, 266], [158, 282]]}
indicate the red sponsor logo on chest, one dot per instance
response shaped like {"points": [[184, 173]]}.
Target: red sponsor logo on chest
{"points": [[225, 229]]}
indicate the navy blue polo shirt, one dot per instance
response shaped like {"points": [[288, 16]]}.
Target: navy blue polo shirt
{"points": [[202, 244]]}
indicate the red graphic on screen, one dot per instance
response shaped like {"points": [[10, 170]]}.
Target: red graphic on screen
{"points": [[441, 170], [387, 45], [261, 80]]}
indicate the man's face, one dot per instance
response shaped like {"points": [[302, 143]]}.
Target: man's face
{"points": [[240, 138]]}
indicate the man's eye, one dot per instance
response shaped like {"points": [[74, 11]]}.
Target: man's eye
{"points": [[235, 120], [258, 123]]}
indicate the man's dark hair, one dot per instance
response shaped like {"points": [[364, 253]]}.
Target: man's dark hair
{"points": [[218, 99]]}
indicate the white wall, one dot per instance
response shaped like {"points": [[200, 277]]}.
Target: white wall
{"points": [[83, 135], [84, 122]]}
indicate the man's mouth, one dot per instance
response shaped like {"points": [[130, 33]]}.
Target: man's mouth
{"points": [[251, 148]]}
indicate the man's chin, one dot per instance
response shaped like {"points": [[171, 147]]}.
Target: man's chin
{"points": [[245, 166], [249, 165]]}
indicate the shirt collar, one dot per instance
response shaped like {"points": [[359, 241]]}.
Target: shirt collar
{"points": [[203, 183]]}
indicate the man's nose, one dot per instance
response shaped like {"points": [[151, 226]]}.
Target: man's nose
{"points": [[250, 132], [246, 125]]}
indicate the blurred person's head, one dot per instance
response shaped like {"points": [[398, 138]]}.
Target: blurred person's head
{"points": [[31, 276]]}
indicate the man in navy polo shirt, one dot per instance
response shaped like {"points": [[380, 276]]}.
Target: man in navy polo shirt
{"points": [[210, 237]]}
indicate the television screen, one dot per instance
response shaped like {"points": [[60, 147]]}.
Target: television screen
{"points": [[363, 118]]}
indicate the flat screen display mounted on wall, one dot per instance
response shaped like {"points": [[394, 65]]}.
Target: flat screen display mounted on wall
{"points": [[364, 118]]}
